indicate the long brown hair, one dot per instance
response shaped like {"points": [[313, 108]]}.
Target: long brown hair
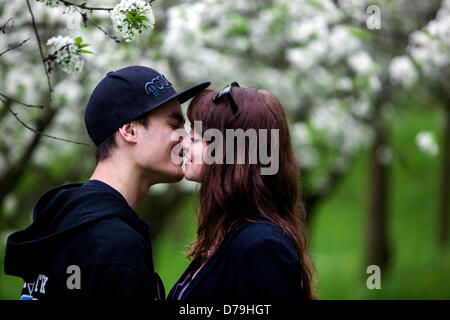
{"points": [[234, 192]]}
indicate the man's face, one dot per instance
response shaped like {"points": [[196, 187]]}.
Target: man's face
{"points": [[154, 144]]}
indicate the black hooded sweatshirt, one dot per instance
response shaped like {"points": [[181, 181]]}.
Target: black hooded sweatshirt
{"points": [[85, 243]]}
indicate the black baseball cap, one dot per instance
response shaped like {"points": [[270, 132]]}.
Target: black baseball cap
{"points": [[126, 94]]}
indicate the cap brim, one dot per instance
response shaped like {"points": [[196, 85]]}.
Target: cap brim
{"points": [[182, 96], [187, 94]]}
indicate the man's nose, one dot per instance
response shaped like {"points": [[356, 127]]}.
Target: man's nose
{"points": [[186, 142]]}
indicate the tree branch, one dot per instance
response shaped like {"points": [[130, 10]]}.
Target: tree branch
{"points": [[50, 89], [11, 176], [3, 27], [84, 7], [14, 47], [18, 102], [39, 132], [87, 20]]}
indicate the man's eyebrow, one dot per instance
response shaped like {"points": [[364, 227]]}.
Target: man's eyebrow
{"points": [[177, 116]]}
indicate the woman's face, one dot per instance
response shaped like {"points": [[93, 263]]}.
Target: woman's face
{"points": [[194, 150]]}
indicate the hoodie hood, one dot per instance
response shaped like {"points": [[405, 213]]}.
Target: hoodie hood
{"points": [[59, 214]]}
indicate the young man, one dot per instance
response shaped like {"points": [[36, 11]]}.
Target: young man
{"points": [[86, 241]]}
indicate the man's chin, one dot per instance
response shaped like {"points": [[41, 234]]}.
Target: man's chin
{"points": [[175, 176]]}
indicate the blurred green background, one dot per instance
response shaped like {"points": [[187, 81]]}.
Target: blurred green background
{"points": [[368, 106]]}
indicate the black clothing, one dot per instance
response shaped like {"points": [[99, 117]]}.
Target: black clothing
{"points": [[85, 243], [255, 262]]}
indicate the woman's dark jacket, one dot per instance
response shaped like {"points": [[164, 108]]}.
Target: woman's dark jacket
{"points": [[255, 262]]}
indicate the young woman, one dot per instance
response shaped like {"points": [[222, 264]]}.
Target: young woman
{"points": [[251, 241]]}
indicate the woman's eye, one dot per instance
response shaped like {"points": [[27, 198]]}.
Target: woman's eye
{"points": [[194, 140]]}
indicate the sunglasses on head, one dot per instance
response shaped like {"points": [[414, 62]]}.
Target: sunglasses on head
{"points": [[226, 91]]}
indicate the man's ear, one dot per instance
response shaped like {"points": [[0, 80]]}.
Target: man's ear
{"points": [[128, 132]]}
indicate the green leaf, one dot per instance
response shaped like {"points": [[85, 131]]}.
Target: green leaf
{"points": [[239, 26], [361, 34], [83, 45], [86, 51], [78, 41], [427, 33]]}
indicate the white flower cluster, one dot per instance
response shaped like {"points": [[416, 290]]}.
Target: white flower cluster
{"points": [[431, 46], [426, 142], [50, 3], [402, 71], [68, 55], [361, 62], [132, 16]]}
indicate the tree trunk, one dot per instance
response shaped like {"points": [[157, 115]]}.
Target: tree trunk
{"points": [[445, 183], [13, 174], [377, 242]]}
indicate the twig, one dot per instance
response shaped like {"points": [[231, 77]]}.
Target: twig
{"points": [[12, 48], [41, 133], [52, 56], [84, 7], [3, 27], [50, 89], [18, 102], [87, 20]]}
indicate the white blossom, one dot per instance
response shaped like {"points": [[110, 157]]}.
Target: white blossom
{"points": [[73, 18], [374, 83], [68, 55], [131, 17], [344, 84], [361, 62], [430, 47], [402, 71], [300, 58], [356, 9], [426, 142], [307, 156], [10, 205], [300, 132]]}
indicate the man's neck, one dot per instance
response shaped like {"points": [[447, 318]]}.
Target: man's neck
{"points": [[124, 178]]}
